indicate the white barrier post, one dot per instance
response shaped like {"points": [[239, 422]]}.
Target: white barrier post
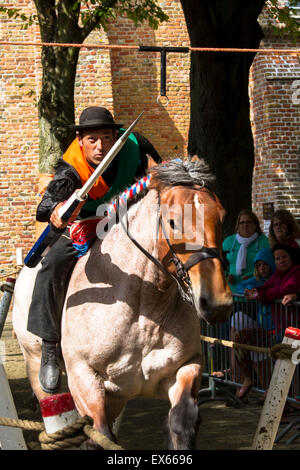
{"points": [[58, 412], [19, 257], [10, 438], [7, 289], [277, 394]]}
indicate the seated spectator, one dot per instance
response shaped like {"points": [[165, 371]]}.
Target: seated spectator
{"points": [[242, 247], [264, 267], [284, 229], [284, 283], [253, 324], [245, 328]]}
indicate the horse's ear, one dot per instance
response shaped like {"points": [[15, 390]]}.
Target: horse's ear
{"points": [[151, 162]]}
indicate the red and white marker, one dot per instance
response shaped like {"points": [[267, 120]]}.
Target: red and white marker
{"points": [[58, 412], [277, 394]]}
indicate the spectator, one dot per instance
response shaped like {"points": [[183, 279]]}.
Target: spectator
{"points": [[245, 328], [284, 229], [264, 268], [241, 247], [256, 328], [284, 284]]}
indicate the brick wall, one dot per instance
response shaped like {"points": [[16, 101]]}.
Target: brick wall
{"points": [[127, 82], [275, 115], [18, 139]]}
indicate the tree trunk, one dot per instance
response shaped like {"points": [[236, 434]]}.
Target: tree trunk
{"points": [[59, 24], [56, 105], [220, 129]]}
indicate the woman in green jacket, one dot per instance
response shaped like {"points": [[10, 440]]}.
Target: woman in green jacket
{"points": [[242, 247]]}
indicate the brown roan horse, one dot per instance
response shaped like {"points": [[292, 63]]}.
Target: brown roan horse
{"points": [[131, 321]]}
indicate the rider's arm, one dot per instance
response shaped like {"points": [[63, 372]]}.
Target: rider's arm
{"points": [[146, 148], [66, 180]]}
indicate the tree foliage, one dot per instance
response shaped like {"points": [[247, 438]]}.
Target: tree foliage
{"points": [[93, 14], [96, 14], [281, 17]]}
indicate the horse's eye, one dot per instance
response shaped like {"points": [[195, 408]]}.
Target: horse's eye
{"points": [[172, 224]]}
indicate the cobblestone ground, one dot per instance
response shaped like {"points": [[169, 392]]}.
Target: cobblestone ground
{"points": [[222, 428]]}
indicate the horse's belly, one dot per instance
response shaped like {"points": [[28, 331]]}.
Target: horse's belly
{"points": [[127, 386], [143, 379], [159, 365]]}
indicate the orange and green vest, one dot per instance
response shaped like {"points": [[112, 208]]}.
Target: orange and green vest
{"points": [[129, 160]]}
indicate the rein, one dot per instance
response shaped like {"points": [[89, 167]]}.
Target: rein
{"points": [[182, 275]]}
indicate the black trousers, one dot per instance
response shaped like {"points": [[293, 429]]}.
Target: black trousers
{"points": [[50, 289]]}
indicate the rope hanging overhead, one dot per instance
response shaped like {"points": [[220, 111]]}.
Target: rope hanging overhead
{"points": [[138, 47]]}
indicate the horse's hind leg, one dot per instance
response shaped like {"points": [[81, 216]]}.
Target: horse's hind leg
{"points": [[184, 418]]}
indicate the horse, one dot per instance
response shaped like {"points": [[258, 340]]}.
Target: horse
{"points": [[131, 319]]}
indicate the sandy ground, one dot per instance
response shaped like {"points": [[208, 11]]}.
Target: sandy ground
{"points": [[222, 428]]}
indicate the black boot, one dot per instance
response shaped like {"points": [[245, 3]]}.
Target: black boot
{"points": [[49, 375]]}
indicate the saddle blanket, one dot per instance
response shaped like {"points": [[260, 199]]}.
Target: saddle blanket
{"points": [[83, 233]]}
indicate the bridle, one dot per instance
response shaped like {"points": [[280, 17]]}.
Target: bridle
{"points": [[182, 277]]}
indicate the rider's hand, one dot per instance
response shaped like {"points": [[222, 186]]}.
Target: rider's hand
{"points": [[56, 220]]}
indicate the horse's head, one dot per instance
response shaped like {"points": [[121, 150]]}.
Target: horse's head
{"points": [[189, 243]]}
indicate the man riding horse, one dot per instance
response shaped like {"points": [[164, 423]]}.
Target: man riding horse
{"points": [[96, 134]]}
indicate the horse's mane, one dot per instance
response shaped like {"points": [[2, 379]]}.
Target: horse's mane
{"points": [[167, 174], [181, 173]]}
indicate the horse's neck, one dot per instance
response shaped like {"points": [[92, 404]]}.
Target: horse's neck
{"points": [[124, 273], [142, 222]]}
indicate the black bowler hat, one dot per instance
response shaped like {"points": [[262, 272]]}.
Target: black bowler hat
{"points": [[96, 117]]}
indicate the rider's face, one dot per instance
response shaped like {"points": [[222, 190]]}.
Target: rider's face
{"points": [[96, 143]]}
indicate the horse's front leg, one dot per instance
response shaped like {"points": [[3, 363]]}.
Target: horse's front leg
{"points": [[184, 418], [88, 391]]}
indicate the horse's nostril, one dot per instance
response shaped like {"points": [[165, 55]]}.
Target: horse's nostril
{"points": [[203, 302]]}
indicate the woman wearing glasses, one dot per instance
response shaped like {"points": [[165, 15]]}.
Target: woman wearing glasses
{"points": [[242, 247]]}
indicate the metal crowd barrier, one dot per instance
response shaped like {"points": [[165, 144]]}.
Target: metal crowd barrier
{"points": [[247, 325]]}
